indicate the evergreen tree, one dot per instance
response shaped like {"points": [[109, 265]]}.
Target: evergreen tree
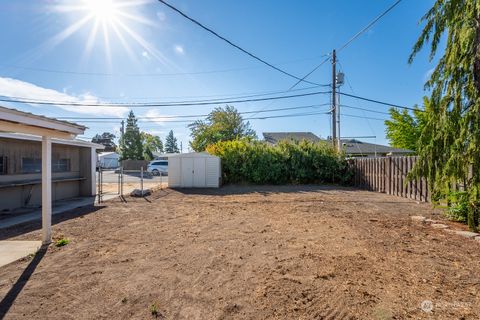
{"points": [[131, 144], [171, 145], [449, 145]]}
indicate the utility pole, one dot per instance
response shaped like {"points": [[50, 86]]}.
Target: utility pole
{"points": [[334, 98], [122, 130], [340, 79]]}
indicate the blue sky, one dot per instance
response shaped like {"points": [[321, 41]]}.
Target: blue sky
{"points": [[154, 54]]}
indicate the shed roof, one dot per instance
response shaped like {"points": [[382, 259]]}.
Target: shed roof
{"points": [[190, 155], [110, 153]]}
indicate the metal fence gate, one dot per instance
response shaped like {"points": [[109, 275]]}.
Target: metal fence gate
{"points": [[120, 182]]}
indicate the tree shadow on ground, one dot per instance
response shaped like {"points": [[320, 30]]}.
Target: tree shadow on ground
{"points": [[17, 288], [30, 226]]}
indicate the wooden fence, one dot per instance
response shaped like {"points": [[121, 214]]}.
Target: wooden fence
{"points": [[389, 175]]}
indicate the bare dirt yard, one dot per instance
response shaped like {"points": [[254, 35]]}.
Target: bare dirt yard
{"points": [[290, 252]]}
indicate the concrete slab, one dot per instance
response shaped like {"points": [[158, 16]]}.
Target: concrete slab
{"points": [[11, 251], [466, 234], [439, 226], [418, 219], [59, 207]]}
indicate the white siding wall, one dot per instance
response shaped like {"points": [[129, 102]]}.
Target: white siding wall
{"points": [[174, 172], [198, 170]]}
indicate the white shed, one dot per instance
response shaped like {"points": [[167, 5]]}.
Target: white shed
{"points": [[108, 160], [194, 170]]}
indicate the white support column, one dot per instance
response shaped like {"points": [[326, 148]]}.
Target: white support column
{"points": [[93, 171], [46, 189]]}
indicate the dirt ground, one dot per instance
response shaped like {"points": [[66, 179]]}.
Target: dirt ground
{"points": [[112, 188], [291, 252]]}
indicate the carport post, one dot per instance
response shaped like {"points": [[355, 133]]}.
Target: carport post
{"points": [[46, 190]]}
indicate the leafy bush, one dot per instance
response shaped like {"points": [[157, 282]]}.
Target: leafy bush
{"points": [[462, 208], [288, 162]]}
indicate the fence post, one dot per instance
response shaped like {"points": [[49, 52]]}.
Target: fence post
{"points": [[141, 179], [121, 181], [99, 184]]}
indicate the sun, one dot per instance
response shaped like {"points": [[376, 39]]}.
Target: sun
{"points": [[103, 10], [110, 20]]}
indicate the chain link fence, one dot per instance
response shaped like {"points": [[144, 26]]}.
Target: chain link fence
{"points": [[120, 182]]}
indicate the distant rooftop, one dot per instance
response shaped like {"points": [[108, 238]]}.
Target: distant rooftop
{"points": [[351, 146], [357, 147], [274, 137]]}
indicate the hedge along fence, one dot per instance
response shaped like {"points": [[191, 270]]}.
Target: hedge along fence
{"points": [[287, 162]]}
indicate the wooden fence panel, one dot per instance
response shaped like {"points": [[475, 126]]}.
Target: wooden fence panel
{"points": [[390, 175]]}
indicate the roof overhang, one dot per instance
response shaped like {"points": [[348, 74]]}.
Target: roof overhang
{"points": [[68, 142], [12, 120]]}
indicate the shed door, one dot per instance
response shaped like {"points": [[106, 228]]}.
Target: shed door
{"points": [[199, 173], [187, 172]]}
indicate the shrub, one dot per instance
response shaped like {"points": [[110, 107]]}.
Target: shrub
{"points": [[62, 242], [287, 162], [462, 208]]}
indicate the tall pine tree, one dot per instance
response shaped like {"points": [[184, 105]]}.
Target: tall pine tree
{"points": [[171, 145], [449, 146], [131, 144]]}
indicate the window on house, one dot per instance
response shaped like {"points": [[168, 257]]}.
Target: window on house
{"points": [[61, 165], [3, 165], [31, 165]]}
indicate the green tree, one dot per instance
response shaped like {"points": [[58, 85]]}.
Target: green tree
{"points": [[404, 129], [107, 139], [171, 145], [131, 144], [151, 144], [222, 124], [449, 145]]}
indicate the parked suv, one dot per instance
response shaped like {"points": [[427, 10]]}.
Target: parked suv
{"points": [[158, 167]]}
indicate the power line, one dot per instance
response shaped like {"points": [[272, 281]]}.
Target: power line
{"points": [[379, 102], [192, 116], [361, 117], [156, 104], [193, 120], [155, 74], [231, 43], [358, 34], [312, 71], [175, 102], [219, 96], [352, 39], [363, 109]]}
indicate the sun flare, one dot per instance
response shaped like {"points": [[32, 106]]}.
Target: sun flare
{"points": [[112, 20], [104, 10]]}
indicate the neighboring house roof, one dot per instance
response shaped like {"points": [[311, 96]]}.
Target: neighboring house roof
{"points": [[359, 147], [71, 142], [274, 137], [351, 146]]}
